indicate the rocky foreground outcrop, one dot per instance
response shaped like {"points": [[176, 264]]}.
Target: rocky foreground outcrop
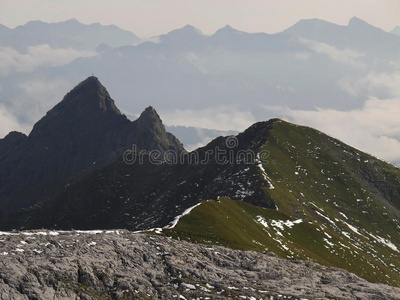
{"points": [[126, 265]]}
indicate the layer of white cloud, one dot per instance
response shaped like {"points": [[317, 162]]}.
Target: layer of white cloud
{"points": [[373, 83], [38, 95], [8, 122], [30, 103], [37, 56], [348, 57], [219, 118]]}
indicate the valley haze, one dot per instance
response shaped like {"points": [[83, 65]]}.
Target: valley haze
{"points": [[224, 81]]}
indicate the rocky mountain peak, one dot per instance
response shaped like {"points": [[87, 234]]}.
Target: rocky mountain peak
{"points": [[11, 140], [150, 115], [83, 132], [183, 34], [149, 119], [354, 21], [151, 133], [14, 136], [86, 104], [227, 30], [190, 29], [92, 91]]}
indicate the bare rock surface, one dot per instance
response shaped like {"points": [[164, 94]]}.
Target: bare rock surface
{"points": [[120, 264]]}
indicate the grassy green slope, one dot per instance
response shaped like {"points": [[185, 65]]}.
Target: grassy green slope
{"points": [[340, 195]]}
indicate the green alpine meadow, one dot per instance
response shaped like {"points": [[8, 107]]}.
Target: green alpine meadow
{"points": [[334, 205]]}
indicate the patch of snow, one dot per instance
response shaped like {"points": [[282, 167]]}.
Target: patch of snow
{"points": [[263, 172], [262, 221], [188, 286], [354, 229], [35, 233], [89, 231], [325, 217], [112, 231], [7, 233], [177, 218], [328, 242], [280, 223], [346, 234], [385, 242], [205, 289]]}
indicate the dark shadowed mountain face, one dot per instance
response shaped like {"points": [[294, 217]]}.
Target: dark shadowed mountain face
{"points": [[83, 132], [145, 194], [10, 141]]}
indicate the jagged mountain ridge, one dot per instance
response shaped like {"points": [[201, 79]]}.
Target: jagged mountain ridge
{"points": [[335, 205], [146, 194], [346, 200], [67, 34], [85, 131], [357, 35]]}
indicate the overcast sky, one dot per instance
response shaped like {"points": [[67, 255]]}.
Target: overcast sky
{"points": [[153, 17]]}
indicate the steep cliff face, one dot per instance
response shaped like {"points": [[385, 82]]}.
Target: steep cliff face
{"points": [[85, 131], [123, 265]]}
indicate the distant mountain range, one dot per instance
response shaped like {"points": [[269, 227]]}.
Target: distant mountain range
{"points": [[357, 35], [225, 81], [68, 34], [276, 186]]}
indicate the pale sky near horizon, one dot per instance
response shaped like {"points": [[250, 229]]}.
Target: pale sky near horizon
{"points": [[154, 17]]}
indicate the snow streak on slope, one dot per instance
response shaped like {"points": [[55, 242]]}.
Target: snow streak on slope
{"points": [[177, 218], [263, 172]]}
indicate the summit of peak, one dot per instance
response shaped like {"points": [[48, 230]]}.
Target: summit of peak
{"points": [[226, 29], [89, 100], [149, 115], [357, 22], [91, 95]]}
